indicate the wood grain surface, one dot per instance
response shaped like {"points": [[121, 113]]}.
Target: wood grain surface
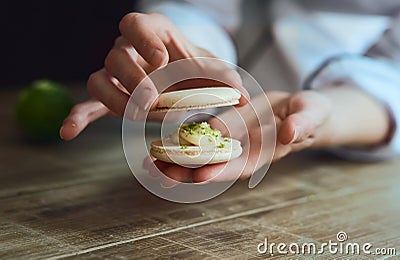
{"points": [[79, 198]]}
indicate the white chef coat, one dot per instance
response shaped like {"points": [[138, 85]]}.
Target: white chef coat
{"points": [[327, 42]]}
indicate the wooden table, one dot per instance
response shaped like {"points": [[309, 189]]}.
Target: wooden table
{"points": [[80, 198]]}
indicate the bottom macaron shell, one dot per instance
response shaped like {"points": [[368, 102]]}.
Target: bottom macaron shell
{"points": [[195, 155]]}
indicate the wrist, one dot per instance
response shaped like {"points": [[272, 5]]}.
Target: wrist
{"points": [[354, 120]]}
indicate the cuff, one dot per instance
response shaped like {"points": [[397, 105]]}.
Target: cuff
{"points": [[378, 78]]}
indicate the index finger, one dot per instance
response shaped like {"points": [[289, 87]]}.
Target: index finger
{"points": [[141, 31]]}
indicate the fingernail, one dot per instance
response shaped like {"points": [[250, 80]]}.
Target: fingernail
{"points": [[151, 168], [135, 112], [295, 136], [145, 94], [146, 164], [168, 185], [157, 57], [60, 133], [153, 174]]}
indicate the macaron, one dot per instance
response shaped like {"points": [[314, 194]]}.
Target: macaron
{"points": [[197, 98], [196, 144]]}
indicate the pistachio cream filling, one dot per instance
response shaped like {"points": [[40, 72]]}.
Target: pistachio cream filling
{"points": [[201, 134]]}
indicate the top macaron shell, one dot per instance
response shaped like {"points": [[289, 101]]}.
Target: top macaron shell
{"points": [[199, 98]]}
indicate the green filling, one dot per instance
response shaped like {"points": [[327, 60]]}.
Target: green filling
{"points": [[200, 129], [204, 129]]}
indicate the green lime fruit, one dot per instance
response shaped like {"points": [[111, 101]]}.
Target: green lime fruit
{"points": [[41, 109]]}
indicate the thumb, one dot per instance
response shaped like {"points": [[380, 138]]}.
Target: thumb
{"points": [[297, 128]]}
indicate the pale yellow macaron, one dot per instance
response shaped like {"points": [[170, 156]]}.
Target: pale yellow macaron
{"points": [[196, 144], [197, 98]]}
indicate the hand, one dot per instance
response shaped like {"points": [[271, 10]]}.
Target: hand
{"points": [[234, 123], [147, 42], [331, 117], [300, 120]]}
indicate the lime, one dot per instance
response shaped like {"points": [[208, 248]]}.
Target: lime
{"points": [[41, 109]]}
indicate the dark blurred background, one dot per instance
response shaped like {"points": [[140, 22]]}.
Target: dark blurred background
{"points": [[58, 40]]}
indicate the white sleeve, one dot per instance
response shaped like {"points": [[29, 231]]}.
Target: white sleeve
{"points": [[381, 80], [378, 74], [198, 26]]}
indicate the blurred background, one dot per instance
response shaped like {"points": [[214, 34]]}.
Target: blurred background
{"points": [[59, 40], [47, 45], [65, 41]]}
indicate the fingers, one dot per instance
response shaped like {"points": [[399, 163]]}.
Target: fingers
{"points": [[219, 172], [233, 78], [219, 71], [216, 123], [258, 152], [235, 121], [172, 174], [121, 63], [287, 133], [212, 172], [301, 115], [149, 41], [281, 151], [169, 174], [103, 87], [255, 154], [179, 173], [121, 42], [147, 165], [141, 31], [295, 133], [276, 97], [108, 91], [81, 115], [155, 169], [297, 128], [300, 119]]}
